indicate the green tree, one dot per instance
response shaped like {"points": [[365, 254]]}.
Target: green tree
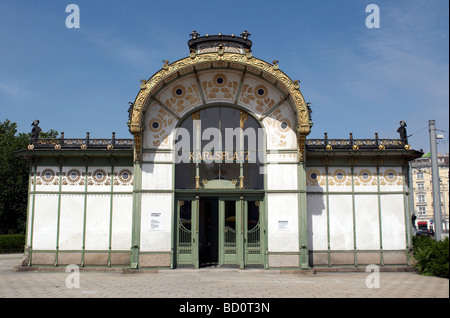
{"points": [[14, 172]]}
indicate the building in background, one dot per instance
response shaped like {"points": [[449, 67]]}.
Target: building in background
{"points": [[423, 191]]}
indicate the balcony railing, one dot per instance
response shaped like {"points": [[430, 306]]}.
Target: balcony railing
{"points": [[355, 144], [311, 144], [82, 143]]}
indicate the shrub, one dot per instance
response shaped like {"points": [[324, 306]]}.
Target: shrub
{"points": [[12, 243], [432, 257]]}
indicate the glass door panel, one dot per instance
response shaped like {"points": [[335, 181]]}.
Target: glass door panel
{"points": [[187, 233], [254, 243], [230, 232]]}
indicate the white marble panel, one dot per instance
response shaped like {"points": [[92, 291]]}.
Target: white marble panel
{"points": [[258, 95], [220, 85], [71, 222], [29, 217], [45, 222], [97, 222], [122, 222], [157, 176], [341, 222], [280, 128], [282, 213], [393, 222], [158, 156], [367, 222], [317, 222], [181, 96], [159, 126], [157, 238], [282, 177]]}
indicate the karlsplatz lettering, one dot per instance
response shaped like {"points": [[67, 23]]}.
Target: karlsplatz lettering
{"points": [[220, 156]]}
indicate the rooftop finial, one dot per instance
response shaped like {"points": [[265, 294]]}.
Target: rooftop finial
{"points": [[245, 34], [194, 34]]}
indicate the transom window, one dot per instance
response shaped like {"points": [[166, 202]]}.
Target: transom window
{"points": [[211, 146]]}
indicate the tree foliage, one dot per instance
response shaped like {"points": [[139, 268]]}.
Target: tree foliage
{"points": [[14, 172]]}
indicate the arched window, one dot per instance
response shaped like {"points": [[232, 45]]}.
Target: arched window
{"points": [[210, 145]]}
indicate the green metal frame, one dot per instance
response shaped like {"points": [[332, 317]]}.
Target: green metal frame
{"points": [[379, 193], [72, 160]]}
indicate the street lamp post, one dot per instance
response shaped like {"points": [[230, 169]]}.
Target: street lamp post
{"points": [[436, 185]]}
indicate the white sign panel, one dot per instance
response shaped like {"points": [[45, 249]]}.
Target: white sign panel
{"points": [[283, 225], [156, 221]]}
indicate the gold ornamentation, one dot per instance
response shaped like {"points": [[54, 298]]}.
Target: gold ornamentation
{"points": [[196, 115], [243, 119], [355, 147], [57, 147], [381, 147], [275, 65], [99, 175], [301, 147], [125, 176], [73, 175], [30, 147], [83, 147], [172, 70], [407, 147], [313, 177], [329, 147], [142, 86], [144, 95], [48, 175], [365, 176], [339, 176]]}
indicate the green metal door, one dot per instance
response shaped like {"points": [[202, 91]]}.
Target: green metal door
{"points": [[254, 234], [187, 250], [230, 232]]}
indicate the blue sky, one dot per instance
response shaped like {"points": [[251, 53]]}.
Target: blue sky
{"points": [[358, 80]]}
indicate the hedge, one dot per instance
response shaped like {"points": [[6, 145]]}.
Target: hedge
{"points": [[432, 257], [13, 243]]}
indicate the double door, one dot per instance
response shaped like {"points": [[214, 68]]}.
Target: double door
{"points": [[216, 231]]}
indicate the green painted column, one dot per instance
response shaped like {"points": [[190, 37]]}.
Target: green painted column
{"points": [[136, 218], [302, 216]]}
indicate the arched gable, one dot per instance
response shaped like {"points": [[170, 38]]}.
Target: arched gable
{"points": [[218, 78]]}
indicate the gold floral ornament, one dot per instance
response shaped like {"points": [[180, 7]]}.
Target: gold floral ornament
{"points": [[157, 81]]}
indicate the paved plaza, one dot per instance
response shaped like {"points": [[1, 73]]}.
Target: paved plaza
{"points": [[214, 283]]}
